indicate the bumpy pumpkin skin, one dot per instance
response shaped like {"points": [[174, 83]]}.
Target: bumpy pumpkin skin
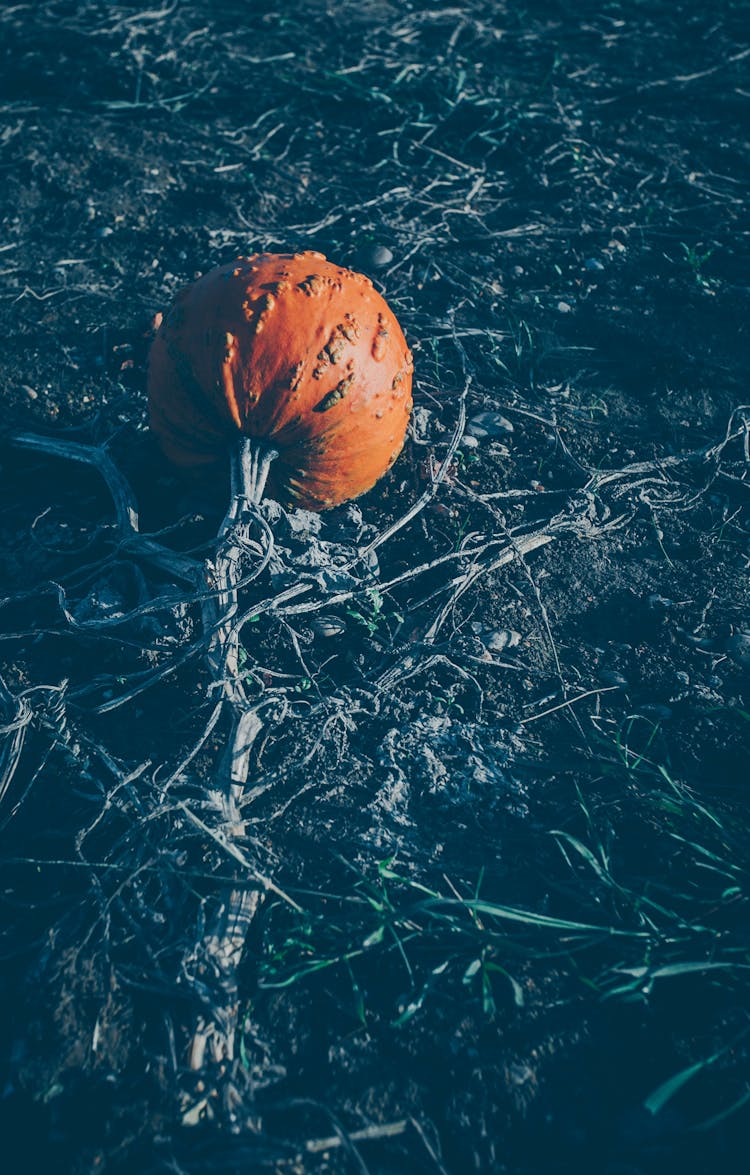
{"points": [[292, 349]]}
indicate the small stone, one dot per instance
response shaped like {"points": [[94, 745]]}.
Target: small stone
{"points": [[486, 425], [593, 265], [501, 639], [327, 626], [469, 442], [564, 307], [375, 256], [657, 711]]}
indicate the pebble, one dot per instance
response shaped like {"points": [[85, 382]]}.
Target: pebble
{"points": [[593, 265], [564, 307], [327, 626], [486, 425], [469, 442], [375, 256], [501, 639], [612, 677], [657, 711]]}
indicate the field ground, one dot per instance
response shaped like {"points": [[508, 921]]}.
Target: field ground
{"points": [[506, 814]]}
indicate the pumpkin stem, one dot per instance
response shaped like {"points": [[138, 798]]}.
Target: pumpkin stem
{"points": [[251, 461], [218, 955]]}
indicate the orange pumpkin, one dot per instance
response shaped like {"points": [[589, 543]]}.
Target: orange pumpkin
{"points": [[295, 351]]}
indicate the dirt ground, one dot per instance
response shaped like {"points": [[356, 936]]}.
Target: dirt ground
{"points": [[505, 808]]}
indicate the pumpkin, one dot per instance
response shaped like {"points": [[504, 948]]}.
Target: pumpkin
{"points": [[296, 352]]}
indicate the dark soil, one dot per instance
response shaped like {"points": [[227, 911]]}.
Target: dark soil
{"points": [[512, 820]]}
